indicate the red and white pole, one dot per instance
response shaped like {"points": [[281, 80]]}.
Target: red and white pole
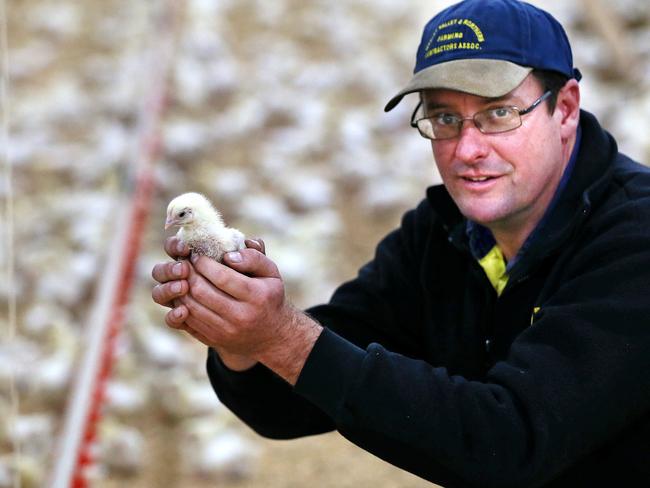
{"points": [[74, 454]]}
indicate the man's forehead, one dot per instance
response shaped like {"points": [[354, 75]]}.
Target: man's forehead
{"points": [[438, 98]]}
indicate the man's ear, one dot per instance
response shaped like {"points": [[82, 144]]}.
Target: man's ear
{"points": [[567, 109]]}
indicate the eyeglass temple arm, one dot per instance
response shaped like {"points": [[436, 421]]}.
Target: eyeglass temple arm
{"points": [[417, 107], [546, 94]]}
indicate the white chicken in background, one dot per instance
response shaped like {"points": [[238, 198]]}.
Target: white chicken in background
{"points": [[201, 226], [209, 448]]}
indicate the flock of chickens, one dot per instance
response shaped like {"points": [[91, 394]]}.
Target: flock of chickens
{"points": [[276, 116]]}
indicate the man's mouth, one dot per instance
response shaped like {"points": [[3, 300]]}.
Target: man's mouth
{"points": [[478, 179]]}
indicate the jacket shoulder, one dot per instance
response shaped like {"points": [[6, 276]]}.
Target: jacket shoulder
{"points": [[630, 193], [632, 176]]}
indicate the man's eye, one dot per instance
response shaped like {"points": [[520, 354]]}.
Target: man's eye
{"points": [[445, 119], [500, 112]]}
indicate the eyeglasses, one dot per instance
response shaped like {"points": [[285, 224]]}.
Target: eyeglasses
{"points": [[445, 125]]}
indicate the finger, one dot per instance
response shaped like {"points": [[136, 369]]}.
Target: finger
{"points": [[204, 325], [201, 331], [177, 316], [179, 319], [236, 276], [204, 340], [164, 293], [191, 330], [256, 243], [220, 277], [175, 248], [164, 272], [251, 263], [209, 305], [207, 292]]}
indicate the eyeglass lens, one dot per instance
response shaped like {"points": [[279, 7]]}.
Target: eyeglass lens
{"points": [[490, 121]]}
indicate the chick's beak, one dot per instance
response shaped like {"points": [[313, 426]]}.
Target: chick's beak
{"points": [[169, 221]]}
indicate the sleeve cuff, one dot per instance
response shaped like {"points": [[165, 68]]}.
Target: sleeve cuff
{"points": [[236, 380]]}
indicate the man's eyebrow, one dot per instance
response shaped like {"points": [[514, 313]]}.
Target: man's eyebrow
{"points": [[434, 106], [437, 105]]}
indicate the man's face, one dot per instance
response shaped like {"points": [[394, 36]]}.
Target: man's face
{"points": [[504, 181]]}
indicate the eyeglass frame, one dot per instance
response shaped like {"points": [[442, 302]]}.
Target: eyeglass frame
{"points": [[520, 112]]}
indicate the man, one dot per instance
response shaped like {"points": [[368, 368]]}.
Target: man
{"points": [[501, 336]]}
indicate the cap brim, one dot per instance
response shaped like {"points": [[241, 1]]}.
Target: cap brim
{"points": [[488, 78]]}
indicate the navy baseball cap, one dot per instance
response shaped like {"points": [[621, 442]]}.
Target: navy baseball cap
{"points": [[487, 48]]}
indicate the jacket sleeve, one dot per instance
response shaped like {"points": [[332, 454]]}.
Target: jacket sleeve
{"points": [[267, 403], [571, 381]]}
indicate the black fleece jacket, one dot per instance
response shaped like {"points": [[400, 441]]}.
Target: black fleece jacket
{"points": [[420, 363]]}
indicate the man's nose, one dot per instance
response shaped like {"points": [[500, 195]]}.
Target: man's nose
{"points": [[472, 145]]}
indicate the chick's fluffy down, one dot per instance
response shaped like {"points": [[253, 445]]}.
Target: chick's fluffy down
{"points": [[212, 244], [201, 226]]}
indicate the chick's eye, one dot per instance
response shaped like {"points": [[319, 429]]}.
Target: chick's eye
{"points": [[182, 214]]}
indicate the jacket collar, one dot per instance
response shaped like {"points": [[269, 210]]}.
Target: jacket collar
{"points": [[586, 186]]}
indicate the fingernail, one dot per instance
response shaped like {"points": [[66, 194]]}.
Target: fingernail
{"points": [[177, 269], [177, 313], [180, 247], [176, 287], [234, 257], [194, 258]]}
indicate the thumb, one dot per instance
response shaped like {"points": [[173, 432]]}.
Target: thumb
{"points": [[251, 262], [257, 243]]}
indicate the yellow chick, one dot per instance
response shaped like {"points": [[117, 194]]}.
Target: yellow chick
{"points": [[201, 226]]}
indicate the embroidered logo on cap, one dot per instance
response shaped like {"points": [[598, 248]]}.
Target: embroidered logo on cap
{"points": [[454, 34]]}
